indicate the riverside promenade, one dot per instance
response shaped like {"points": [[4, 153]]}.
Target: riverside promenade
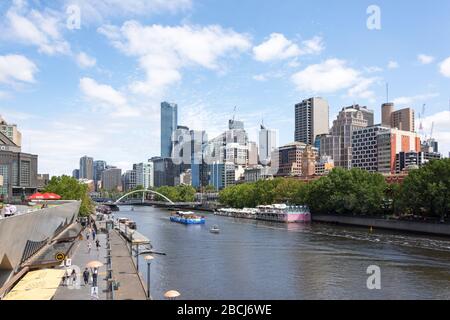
{"points": [[124, 273]]}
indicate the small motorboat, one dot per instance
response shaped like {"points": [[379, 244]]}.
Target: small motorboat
{"points": [[215, 229]]}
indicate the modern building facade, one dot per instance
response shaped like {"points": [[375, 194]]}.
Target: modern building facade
{"points": [[99, 167], [112, 179], [87, 168], [165, 172], [76, 174], [311, 120], [144, 174], [267, 144], [129, 180], [405, 161], [169, 123], [375, 148]]}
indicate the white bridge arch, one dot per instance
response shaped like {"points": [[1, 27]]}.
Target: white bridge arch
{"points": [[143, 193]]}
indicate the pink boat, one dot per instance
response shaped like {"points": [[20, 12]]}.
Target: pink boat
{"points": [[284, 213]]}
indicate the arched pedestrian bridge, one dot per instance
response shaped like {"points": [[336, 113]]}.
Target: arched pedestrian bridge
{"points": [[167, 203]]}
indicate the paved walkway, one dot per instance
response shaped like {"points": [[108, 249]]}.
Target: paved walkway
{"points": [[124, 271], [81, 257]]}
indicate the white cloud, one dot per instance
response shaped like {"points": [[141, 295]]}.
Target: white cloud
{"points": [[16, 68], [100, 10], [425, 59], [445, 67], [107, 98], [393, 65], [259, 77], [362, 89], [327, 77], [85, 61], [441, 129], [278, 47], [164, 51], [32, 27], [415, 99]]}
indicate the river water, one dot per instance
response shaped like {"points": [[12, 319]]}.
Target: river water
{"points": [[262, 260]]}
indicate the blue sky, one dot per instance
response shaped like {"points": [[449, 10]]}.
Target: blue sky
{"points": [[96, 90]]}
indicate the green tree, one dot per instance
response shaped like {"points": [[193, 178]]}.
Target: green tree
{"points": [[426, 191], [71, 189]]}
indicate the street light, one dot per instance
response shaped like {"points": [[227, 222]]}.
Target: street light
{"points": [[149, 260]]}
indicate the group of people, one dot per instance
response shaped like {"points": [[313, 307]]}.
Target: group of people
{"points": [[70, 277], [92, 233]]}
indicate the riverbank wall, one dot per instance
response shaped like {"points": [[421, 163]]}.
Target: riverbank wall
{"points": [[396, 225]]}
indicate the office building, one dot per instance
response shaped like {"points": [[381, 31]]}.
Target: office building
{"points": [[76, 174], [338, 144], [324, 166], [112, 179], [405, 161], [169, 123], [99, 167], [222, 175], [18, 170], [165, 172], [87, 168], [259, 172], [294, 160], [375, 148], [11, 131], [267, 144], [311, 120], [129, 181], [403, 119], [235, 125], [144, 175]]}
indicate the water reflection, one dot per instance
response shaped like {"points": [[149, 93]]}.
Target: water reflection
{"points": [[263, 260]]}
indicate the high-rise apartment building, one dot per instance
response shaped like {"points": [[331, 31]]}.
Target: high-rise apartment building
{"points": [[169, 123], [267, 144], [144, 174], [87, 168], [311, 120], [129, 180]]}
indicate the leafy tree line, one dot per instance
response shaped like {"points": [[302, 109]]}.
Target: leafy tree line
{"points": [[71, 189], [425, 192], [181, 193]]}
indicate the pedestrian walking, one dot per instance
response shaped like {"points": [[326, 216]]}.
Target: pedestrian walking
{"points": [[86, 275], [97, 244], [88, 233], [73, 277], [94, 277], [93, 235], [89, 246]]}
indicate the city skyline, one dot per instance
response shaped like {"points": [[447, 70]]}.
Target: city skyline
{"points": [[67, 84]]}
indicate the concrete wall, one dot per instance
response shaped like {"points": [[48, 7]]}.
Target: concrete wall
{"points": [[37, 226], [408, 226]]}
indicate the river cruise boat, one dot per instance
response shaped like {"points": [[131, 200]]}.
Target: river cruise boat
{"points": [[246, 213], [187, 218], [284, 213]]}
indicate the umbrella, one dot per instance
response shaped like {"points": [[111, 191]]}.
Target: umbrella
{"points": [[94, 264], [51, 196], [172, 294], [36, 196]]}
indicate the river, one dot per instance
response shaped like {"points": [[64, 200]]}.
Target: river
{"points": [[261, 260]]}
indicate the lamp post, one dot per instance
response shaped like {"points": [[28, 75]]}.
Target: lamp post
{"points": [[149, 260]]}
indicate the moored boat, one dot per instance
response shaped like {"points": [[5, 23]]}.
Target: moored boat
{"points": [[284, 213]]}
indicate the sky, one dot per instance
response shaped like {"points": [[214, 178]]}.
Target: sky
{"points": [[80, 78]]}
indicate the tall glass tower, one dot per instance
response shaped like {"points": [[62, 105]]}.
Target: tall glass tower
{"points": [[169, 123]]}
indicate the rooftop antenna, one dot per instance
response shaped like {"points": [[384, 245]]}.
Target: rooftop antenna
{"points": [[387, 92], [234, 113]]}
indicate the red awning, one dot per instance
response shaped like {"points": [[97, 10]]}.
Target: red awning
{"points": [[45, 196]]}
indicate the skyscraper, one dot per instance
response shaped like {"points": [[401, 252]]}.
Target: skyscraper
{"points": [[403, 119], [99, 167], [311, 120], [169, 123], [87, 168], [267, 144]]}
